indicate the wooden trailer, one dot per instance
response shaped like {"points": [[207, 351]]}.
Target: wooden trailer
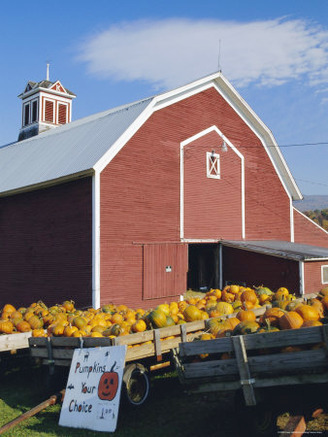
{"points": [[262, 367]]}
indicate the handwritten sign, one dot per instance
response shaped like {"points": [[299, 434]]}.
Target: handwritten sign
{"points": [[93, 389]]}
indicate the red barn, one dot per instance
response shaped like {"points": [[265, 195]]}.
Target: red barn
{"points": [[138, 203]]}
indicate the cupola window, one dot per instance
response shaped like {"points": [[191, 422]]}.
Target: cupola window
{"points": [[213, 165]]}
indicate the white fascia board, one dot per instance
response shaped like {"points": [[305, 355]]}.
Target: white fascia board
{"points": [[195, 240], [263, 133], [124, 138], [96, 240], [313, 222]]}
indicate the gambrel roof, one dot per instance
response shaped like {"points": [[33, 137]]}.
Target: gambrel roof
{"points": [[86, 146]]}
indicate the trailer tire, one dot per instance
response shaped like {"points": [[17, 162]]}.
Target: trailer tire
{"points": [[136, 385]]}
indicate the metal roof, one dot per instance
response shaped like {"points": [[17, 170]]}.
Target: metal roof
{"points": [[282, 249], [70, 149]]}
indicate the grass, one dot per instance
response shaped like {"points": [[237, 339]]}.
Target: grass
{"points": [[169, 410]]}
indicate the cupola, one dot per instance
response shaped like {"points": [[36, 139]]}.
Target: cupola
{"points": [[45, 105]]}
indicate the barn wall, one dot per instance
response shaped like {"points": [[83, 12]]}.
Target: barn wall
{"points": [[206, 199], [256, 269], [312, 276], [46, 246], [307, 232], [140, 188]]}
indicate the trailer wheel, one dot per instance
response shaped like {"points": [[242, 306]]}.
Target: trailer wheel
{"points": [[136, 384]]}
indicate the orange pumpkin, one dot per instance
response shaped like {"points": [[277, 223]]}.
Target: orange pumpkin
{"points": [[290, 320], [272, 315], [6, 326], [246, 315], [8, 308], [309, 323], [35, 322], [307, 312], [23, 326], [249, 295], [139, 326]]}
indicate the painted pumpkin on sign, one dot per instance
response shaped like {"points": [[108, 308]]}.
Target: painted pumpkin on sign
{"points": [[108, 385]]}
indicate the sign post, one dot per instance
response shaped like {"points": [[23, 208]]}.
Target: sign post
{"points": [[93, 390]]}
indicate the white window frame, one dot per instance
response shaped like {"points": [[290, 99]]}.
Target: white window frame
{"points": [[322, 274], [213, 169]]}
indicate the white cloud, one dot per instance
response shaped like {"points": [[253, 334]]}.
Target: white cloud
{"points": [[170, 52]]}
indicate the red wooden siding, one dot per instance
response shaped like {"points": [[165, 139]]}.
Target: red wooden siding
{"points": [[256, 269], [165, 270], [46, 245], [212, 207], [312, 276], [140, 188], [307, 232]]}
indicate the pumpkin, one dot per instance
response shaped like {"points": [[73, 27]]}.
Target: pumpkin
{"points": [[224, 308], [139, 326], [272, 315], [246, 315], [307, 312], [79, 322], [108, 385], [309, 323], [249, 295], [317, 304], [69, 330], [35, 322], [68, 305], [23, 326], [324, 302], [246, 328], [192, 313], [290, 320], [323, 292], [227, 297], [39, 333], [6, 326], [8, 308], [281, 294], [165, 308], [157, 319]]}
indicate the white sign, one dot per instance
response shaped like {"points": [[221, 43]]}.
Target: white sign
{"points": [[93, 390]]}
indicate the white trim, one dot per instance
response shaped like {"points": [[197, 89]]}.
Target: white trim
{"points": [[240, 155], [322, 281], [292, 224], [198, 240], [301, 277], [263, 133], [310, 220], [124, 138], [96, 240]]}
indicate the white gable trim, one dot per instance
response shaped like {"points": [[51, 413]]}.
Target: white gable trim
{"points": [[192, 139], [225, 89], [308, 218]]}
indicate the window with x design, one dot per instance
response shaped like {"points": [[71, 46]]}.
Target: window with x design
{"points": [[213, 165]]}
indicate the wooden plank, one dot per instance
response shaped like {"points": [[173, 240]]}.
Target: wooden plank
{"points": [[218, 345], [308, 360], [14, 341], [291, 337], [205, 369], [244, 371]]}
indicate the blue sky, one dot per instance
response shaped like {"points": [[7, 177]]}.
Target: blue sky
{"points": [[110, 52]]}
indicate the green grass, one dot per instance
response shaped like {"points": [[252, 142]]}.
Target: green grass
{"points": [[169, 410]]}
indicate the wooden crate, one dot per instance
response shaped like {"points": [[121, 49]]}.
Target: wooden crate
{"points": [[256, 360], [153, 343]]}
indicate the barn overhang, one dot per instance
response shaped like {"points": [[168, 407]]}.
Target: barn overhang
{"points": [[281, 249]]}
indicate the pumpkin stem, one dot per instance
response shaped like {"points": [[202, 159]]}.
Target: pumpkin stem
{"points": [[112, 369]]}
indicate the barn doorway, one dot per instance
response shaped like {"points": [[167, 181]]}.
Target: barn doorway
{"points": [[203, 266]]}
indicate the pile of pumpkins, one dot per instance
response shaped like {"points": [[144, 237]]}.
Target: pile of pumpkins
{"points": [[117, 320]]}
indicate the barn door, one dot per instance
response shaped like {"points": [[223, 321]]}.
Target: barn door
{"points": [[165, 269]]}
